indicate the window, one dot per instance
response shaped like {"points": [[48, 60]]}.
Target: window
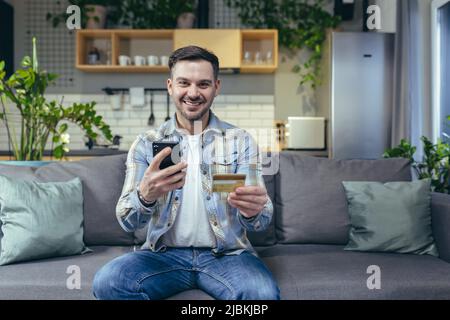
{"points": [[441, 67]]}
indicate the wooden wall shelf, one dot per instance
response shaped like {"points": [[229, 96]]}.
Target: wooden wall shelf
{"points": [[230, 45]]}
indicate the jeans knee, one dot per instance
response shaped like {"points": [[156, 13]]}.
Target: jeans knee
{"points": [[101, 285], [267, 290]]}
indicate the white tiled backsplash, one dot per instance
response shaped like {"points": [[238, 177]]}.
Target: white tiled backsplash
{"points": [[254, 113]]}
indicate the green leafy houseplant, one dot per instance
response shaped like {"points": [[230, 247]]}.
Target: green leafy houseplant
{"points": [[152, 14], [40, 118], [301, 24], [435, 164], [86, 10]]}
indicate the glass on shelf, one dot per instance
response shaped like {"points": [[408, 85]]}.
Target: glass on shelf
{"points": [[258, 58], [269, 57], [108, 53], [247, 57]]}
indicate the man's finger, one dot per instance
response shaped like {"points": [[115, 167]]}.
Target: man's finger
{"points": [[177, 185], [174, 178], [261, 199], [250, 190], [244, 205], [172, 170], [154, 165]]}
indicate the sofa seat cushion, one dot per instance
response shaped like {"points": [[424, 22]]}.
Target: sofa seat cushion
{"points": [[46, 279], [329, 272]]}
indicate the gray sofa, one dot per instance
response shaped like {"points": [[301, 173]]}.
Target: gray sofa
{"points": [[303, 245]]}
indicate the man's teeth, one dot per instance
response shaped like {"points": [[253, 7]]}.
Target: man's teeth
{"points": [[192, 103]]}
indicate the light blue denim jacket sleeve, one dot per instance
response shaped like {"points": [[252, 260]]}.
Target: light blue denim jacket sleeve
{"points": [[248, 155], [130, 212]]}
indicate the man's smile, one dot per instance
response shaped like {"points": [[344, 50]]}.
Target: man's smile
{"points": [[191, 103]]}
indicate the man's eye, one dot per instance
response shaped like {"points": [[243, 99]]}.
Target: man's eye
{"points": [[204, 85], [183, 83]]}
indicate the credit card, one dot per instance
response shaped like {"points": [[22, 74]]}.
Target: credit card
{"points": [[227, 182]]}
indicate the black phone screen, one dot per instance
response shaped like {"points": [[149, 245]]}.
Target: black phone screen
{"points": [[175, 155]]}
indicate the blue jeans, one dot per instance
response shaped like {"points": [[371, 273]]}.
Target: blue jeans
{"points": [[157, 275]]}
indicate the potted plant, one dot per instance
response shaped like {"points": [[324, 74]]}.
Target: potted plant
{"points": [[300, 24], [93, 13], [154, 14], [41, 119], [435, 164], [186, 19]]}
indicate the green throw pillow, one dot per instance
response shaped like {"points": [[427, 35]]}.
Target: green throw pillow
{"points": [[390, 217], [40, 220]]}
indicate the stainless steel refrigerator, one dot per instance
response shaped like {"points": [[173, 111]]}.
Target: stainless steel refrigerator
{"points": [[356, 94]]}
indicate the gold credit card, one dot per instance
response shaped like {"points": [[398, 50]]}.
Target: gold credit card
{"points": [[227, 182]]}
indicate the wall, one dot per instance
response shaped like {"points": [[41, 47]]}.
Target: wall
{"points": [[251, 112], [51, 40]]}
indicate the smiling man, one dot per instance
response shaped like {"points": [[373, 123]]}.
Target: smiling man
{"points": [[196, 238]]}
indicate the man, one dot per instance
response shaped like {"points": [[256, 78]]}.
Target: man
{"points": [[196, 238]]}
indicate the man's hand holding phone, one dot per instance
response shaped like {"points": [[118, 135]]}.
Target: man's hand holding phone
{"points": [[157, 182]]}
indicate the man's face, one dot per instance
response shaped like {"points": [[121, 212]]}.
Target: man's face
{"points": [[193, 88]]}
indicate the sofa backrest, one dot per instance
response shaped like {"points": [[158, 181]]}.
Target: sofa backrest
{"points": [[102, 180], [310, 201]]}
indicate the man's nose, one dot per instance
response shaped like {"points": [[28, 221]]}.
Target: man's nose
{"points": [[193, 91]]}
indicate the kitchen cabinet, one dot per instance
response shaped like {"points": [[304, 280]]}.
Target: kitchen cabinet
{"points": [[246, 50]]}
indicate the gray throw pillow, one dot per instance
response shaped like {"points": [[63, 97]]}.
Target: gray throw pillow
{"points": [[390, 217], [40, 220]]}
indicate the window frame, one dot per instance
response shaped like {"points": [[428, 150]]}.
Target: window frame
{"points": [[436, 72]]}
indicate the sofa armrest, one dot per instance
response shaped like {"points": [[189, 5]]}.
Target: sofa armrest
{"points": [[440, 216]]}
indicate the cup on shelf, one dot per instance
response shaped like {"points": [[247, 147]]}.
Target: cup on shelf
{"points": [[164, 60], [93, 56], [124, 60], [139, 61], [152, 60]]}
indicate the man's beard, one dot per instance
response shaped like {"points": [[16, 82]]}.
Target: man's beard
{"points": [[193, 117]]}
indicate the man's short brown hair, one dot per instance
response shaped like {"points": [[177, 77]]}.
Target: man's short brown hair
{"points": [[192, 53]]}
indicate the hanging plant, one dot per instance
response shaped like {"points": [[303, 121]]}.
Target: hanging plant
{"points": [[300, 24]]}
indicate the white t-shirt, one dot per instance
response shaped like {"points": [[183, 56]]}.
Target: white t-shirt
{"points": [[191, 226]]}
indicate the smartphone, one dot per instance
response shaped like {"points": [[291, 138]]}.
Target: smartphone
{"points": [[169, 160]]}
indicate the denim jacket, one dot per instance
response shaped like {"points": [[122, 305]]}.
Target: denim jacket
{"points": [[225, 149]]}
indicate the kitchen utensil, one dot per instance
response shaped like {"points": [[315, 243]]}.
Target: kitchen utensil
{"points": [[151, 119], [168, 107], [116, 101]]}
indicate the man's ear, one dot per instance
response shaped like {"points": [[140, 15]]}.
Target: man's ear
{"points": [[169, 86], [218, 85]]}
